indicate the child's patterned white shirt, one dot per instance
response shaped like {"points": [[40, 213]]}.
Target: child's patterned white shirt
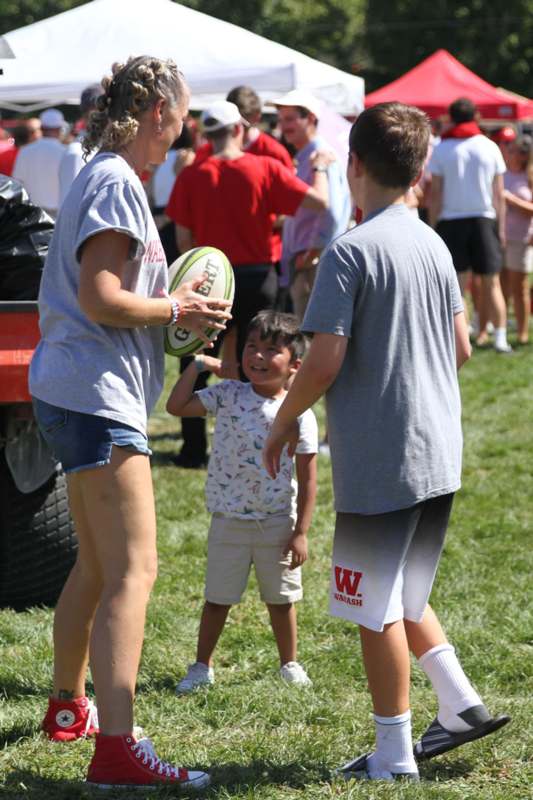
{"points": [[237, 482]]}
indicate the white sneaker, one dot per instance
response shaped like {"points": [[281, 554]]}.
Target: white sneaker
{"points": [[292, 672], [503, 347], [197, 675]]}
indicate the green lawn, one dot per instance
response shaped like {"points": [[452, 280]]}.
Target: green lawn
{"points": [[262, 739]]}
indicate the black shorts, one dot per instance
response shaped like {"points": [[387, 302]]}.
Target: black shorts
{"points": [[473, 243]]}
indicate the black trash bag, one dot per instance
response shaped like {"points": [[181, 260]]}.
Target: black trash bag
{"points": [[25, 233]]}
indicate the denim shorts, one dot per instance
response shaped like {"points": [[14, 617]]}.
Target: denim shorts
{"points": [[84, 441]]}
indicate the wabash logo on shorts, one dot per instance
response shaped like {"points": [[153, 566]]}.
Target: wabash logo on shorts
{"points": [[347, 582]]}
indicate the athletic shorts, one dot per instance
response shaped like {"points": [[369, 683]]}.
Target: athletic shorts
{"points": [[84, 441], [235, 544], [473, 243], [384, 565], [518, 257]]}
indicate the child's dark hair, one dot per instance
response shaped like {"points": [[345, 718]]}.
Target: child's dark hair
{"points": [[281, 328], [391, 140]]}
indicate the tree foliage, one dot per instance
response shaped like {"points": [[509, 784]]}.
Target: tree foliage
{"points": [[378, 39], [495, 40]]}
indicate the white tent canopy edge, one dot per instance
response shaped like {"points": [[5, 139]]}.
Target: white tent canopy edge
{"points": [[58, 57]]}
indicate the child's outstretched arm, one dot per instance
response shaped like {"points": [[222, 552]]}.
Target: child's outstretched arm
{"points": [[182, 401], [305, 504]]}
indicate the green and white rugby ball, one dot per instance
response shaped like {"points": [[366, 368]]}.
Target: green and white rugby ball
{"points": [[219, 283]]}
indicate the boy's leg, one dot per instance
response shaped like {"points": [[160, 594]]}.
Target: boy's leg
{"points": [[284, 627], [462, 716], [211, 626], [386, 659], [201, 673], [438, 660]]}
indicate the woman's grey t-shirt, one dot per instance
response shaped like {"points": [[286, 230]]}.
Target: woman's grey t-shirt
{"points": [[81, 365], [394, 410]]}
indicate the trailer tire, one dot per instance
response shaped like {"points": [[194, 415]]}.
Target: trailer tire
{"points": [[38, 543]]}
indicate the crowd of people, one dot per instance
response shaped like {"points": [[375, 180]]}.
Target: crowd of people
{"points": [[382, 300]]}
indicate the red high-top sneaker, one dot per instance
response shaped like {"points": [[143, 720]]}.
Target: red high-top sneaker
{"points": [[66, 720], [124, 761]]}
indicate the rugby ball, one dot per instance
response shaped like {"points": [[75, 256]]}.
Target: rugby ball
{"points": [[219, 282]]}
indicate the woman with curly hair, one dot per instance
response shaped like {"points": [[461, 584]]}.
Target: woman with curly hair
{"points": [[95, 377]]}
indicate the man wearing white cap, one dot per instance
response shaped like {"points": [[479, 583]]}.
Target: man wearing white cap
{"points": [[228, 201], [308, 232], [37, 164]]}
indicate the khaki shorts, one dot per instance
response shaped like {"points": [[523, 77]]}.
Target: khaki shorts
{"points": [[235, 544], [518, 257]]}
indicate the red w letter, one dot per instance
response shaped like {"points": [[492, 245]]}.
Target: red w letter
{"points": [[347, 580]]}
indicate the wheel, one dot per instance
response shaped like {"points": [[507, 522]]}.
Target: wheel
{"points": [[38, 543]]}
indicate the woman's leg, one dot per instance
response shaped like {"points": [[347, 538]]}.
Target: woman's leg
{"points": [[76, 607], [119, 505], [520, 292]]}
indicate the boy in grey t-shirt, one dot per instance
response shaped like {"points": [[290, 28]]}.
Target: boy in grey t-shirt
{"points": [[389, 334]]}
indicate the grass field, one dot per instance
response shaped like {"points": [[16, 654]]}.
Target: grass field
{"points": [[265, 740]]}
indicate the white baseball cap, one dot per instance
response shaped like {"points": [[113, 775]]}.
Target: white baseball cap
{"points": [[301, 98], [52, 118], [221, 114]]}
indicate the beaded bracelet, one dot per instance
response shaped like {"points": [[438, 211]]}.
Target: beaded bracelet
{"points": [[176, 310]]}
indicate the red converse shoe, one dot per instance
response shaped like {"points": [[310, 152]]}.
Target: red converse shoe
{"points": [[124, 761], [67, 720]]}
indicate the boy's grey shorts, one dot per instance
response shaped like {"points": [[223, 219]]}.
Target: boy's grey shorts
{"points": [[384, 565], [235, 544]]}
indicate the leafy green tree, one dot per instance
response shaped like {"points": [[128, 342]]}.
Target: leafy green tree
{"points": [[495, 40], [323, 29], [18, 13]]}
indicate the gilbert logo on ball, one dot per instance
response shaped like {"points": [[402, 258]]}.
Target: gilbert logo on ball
{"points": [[219, 283]]}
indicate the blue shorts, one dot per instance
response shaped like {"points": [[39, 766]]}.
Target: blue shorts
{"points": [[84, 441]]}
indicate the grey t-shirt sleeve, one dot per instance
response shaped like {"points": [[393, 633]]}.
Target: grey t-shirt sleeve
{"points": [[337, 286], [117, 207], [457, 300]]}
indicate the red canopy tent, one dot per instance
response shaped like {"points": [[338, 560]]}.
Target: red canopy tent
{"points": [[439, 80]]}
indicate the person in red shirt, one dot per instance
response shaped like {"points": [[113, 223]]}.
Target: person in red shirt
{"points": [[228, 201], [258, 143], [255, 140], [25, 133]]}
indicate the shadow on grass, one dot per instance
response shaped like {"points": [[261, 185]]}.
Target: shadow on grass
{"points": [[447, 771], [231, 777], [18, 732]]}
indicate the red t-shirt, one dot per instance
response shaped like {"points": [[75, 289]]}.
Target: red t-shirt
{"points": [[263, 145], [7, 160], [229, 204]]}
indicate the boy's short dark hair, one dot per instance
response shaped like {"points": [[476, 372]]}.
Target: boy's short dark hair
{"points": [[281, 328], [247, 101], [391, 140], [462, 110]]}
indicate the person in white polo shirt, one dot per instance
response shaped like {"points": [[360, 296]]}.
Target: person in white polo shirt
{"points": [[37, 164], [468, 208]]}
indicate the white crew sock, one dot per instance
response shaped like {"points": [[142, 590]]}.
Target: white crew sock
{"points": [[453, 689], [394, 747], [500, 337]]}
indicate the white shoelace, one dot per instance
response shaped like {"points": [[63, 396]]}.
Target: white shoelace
{"points": [[144, 749], [92, 718]]}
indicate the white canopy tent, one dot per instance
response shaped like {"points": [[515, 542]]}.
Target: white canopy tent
{"points": [[55, 59]]}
